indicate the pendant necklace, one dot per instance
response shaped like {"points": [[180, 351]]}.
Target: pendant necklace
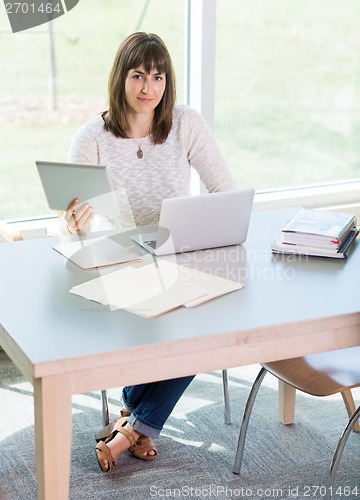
{"points": [[140, 152]]}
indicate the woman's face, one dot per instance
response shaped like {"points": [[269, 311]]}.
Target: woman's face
{"points": [[144, 91]]}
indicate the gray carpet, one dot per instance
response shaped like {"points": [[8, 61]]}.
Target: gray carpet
{"points": [[196, 449]]}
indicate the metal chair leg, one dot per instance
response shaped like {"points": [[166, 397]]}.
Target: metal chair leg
{"points": [[338, 452], [105, 408], [227, 410], [246, 417]]}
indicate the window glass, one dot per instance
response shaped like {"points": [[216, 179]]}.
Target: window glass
{"points": [[287, 90], [85, 41]]}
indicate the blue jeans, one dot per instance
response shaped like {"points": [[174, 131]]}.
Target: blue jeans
{"points": [[151, 404]]}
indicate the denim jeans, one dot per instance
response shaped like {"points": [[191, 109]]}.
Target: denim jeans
{"points": [[151, 404]]}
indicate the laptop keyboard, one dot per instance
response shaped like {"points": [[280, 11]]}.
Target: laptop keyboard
{"points": [[151, 243]]}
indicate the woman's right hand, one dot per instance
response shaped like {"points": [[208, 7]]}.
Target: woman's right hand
{"points": [[78, 221]]}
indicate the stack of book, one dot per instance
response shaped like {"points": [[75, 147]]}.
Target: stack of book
{"points": [[320, 233]]}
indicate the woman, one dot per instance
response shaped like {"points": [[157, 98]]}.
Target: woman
{"points": [[149, 146]]}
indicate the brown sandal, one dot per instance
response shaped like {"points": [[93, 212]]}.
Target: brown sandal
{"points": [[105, 432], [103, 451], [141, 448], [143, 444], [108, 429]]}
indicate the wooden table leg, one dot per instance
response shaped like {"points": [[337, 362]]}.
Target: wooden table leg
{"points": [[53, 434], [287, 395]]}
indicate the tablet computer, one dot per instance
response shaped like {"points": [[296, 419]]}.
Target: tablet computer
{"points": [[63, 182]]}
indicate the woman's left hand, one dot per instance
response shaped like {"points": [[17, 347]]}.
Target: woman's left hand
{"points": [[78, 221]]}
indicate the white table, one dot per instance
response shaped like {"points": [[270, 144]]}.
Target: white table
{"points": [[65, 344]]}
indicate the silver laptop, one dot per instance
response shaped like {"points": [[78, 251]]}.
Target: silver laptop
{"points": [[198, 222]]}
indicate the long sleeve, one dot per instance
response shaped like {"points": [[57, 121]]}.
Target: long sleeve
{"points": [[83, 147], [204, 153]]}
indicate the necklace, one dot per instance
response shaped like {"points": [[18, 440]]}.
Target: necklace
{"points": [[139, 152]]}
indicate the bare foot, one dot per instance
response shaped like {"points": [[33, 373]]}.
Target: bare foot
{"points": [[125, 412], [151, 453]]}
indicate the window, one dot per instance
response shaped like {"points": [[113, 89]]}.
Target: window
{"points": [[287, 91]]}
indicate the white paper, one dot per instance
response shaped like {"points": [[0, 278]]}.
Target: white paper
{"points": [[155, 288]]}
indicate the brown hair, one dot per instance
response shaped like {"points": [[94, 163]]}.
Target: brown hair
{"points": [[137, 49]]}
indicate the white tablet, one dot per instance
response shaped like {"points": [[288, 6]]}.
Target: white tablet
{"points": [[63, 182]]}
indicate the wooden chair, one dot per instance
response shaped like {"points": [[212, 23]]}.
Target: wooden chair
{"points": [[320, 374]]}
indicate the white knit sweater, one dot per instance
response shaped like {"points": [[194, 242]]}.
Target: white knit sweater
{"points": [[164, 170]]}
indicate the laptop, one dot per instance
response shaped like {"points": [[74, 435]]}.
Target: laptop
{"points": [[198, 222]]}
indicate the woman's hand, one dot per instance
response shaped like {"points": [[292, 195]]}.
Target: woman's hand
{"points": [[78, 221]]}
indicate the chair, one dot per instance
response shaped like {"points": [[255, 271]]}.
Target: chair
{"points": [[227, 412], [320, 374]]}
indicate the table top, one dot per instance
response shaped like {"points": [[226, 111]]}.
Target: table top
{"points": [[47, 323]]}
